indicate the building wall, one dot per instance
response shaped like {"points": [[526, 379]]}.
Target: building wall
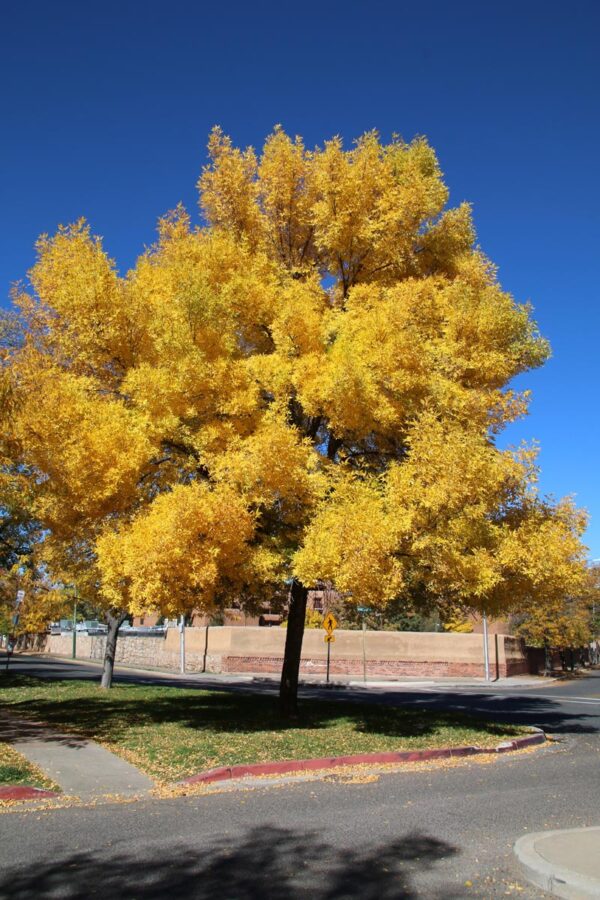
{"points": [[255, 650]]}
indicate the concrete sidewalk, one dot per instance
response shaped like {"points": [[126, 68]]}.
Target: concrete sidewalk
{"points": [[563, 863], [81, 768]]}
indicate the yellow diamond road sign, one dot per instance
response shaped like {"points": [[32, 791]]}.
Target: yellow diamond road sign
{"points": [[329, 623]]}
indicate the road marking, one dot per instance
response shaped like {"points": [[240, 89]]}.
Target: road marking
{"points": [[507, 696], [386, 684], [565, 699], [497, 695]]}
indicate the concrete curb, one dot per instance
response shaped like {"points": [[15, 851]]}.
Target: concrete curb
{"points": [[555, 879], [24, 792], [286, 766]]}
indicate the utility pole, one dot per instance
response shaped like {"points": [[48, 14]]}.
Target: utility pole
{"points": [[486, 649], [364, 649], [182, 644], [74, 650], [363, 610]]}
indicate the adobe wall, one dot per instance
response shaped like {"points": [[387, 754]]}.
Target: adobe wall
{"points": [[388, 653], [255, 650]]}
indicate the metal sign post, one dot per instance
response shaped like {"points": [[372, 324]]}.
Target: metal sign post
{"points": [[10, 644], [329, 639], [9, 649], [329, 624]]}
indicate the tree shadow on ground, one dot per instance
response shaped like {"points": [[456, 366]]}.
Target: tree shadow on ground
{"points": [[17, 730], [103, 715], [518, 710], [238, 710], [267, 864]]}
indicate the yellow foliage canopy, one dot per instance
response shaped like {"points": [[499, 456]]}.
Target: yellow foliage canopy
{"points": [[306, 386], [172, 555]]}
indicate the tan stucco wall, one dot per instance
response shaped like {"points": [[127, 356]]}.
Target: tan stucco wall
{"points": [[418, 646], [229, 648]]}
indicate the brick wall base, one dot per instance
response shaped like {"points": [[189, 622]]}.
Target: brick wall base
{"points": [[384, 667], [517, 667]]}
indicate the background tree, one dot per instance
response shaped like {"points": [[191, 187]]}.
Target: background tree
{"points": [[20, 531], [457, 622], [116, 392], [593, 597], [561, 624]]}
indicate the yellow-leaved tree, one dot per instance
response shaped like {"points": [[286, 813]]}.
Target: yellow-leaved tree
{"points": [[305, 387], [562, 621]]}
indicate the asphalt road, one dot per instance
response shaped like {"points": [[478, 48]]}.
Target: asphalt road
{"points": [[434, 833]]}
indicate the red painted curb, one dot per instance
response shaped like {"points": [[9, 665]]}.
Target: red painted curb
{"points": [[24, 792], [285, 766]]}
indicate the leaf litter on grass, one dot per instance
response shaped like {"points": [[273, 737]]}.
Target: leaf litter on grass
{"points": [[172, 732]]}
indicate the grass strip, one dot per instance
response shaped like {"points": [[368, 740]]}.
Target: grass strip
{"points": [[171, 732]]}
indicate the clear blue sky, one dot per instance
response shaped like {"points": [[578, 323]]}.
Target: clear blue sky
{"points": [[106, 108]]}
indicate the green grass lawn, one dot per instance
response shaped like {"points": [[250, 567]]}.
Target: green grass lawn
{"points": [[172, 732], [15, 769]]}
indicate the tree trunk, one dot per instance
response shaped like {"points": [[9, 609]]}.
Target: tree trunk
{"points": [[288, 689], [546, 659], [114, 622]]}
